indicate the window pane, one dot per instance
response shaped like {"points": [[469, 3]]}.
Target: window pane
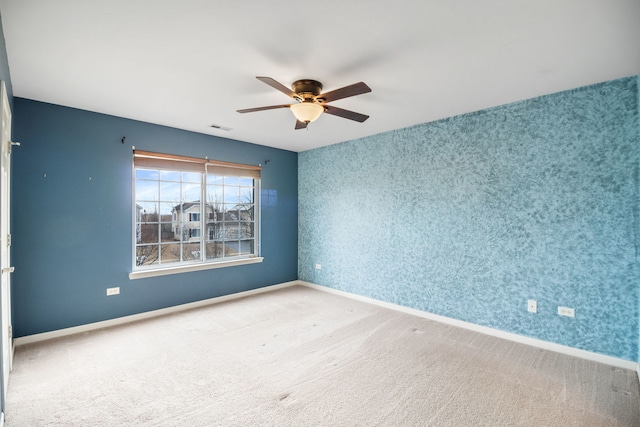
{"points": [[215, 179], [191, 192], [170, 253], [232, 195], [214, 231], [246, 195], [245, 213], [147, 174], [167, 232], [214, 194], [144, 209], [222, 232], [180, 232], [235, 230], [147, 255], [191, 177], [246, 247], [216, 215], [231, 248], [149, 217], [246, 182], [148, 233], [170, 176], [191, 252], [214, 250], [209, 212], [146, 190], [231, 180], [168, 209], [230, 214], [170, 192], [246, 230]]}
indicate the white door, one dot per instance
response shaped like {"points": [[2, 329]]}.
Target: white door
{"points": [[5, 240]]}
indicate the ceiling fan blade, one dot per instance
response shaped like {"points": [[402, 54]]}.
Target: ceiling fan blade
{"points": [[300, 125], [276, 85], [346, 114], [270, 107], [345, 92]]}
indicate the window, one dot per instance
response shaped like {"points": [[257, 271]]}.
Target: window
{"points": [[177, 197]]}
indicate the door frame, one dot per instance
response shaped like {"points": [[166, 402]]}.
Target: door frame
{"points": [[5, 242]]}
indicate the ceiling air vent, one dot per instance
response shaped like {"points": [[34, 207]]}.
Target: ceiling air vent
{"points": [[220, 127]]}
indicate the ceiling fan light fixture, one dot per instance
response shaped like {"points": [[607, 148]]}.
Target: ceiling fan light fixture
{"points": [[307, 112]]}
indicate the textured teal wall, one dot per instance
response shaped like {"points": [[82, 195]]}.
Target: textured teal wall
{"points": [[470, 216]]}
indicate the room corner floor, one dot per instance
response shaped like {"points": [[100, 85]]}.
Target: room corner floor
{"points": [[297, 357]]}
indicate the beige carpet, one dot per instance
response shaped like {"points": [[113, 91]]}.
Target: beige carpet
{"points": [[302, 357]]}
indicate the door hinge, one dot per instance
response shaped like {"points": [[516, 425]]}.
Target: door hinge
{"points": [[11, 144], [10, 331], [8, 239]]}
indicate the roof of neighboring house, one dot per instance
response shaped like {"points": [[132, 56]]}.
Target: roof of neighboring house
{"points": [[186, 206]]}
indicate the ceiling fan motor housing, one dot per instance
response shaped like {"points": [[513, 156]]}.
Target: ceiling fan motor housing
{"points": [[307, 89]]}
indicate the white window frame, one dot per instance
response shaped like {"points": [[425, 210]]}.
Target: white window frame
{"points": [[151, 161]]}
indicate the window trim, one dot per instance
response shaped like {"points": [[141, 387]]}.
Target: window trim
{"points": [[164, 271], [152, 160]]}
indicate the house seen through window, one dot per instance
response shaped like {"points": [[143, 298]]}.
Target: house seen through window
{"points": [[191, 211]]}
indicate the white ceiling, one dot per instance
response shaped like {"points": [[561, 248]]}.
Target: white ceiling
{"points": [[192, 63]]}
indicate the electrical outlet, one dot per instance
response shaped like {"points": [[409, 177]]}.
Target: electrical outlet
{"points": [[532, 306], [318, 266], [566, 311], [113, 291]]}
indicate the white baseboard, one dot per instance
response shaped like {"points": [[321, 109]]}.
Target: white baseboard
{"points": [[141, 316], [546, 345]]}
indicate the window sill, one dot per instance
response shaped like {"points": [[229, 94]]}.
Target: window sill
{"points": [[142, 274]]}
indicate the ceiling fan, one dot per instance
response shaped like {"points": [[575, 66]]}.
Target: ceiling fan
{"points": [[311, 103]]}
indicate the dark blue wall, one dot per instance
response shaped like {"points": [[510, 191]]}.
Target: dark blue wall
{"points": [[72, 219]]}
